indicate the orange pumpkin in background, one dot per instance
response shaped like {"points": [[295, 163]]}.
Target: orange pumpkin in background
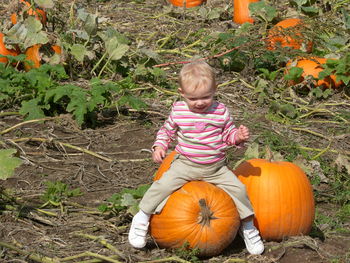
{"points": [[30, 11], [34, 55], [281, 196], [187, 3], [4, 51], [199, 214], [312, 67], [287, 34], [241, 11]]}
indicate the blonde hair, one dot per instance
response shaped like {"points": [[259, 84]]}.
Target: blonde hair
{"points": [[195, 75]]}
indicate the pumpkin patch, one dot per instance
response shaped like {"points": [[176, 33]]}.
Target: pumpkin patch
{"points": [[281, 196]]}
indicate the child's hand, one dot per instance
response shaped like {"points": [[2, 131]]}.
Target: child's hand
{"points": [[242, 134], [159, 154]]}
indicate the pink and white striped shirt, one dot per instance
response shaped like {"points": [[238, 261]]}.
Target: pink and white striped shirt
{"points": [[202, 137]]}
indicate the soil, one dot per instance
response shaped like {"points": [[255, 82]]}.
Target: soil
{"points": [[114, 156]]}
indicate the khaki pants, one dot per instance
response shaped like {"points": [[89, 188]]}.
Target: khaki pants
{"points": [[182, 171]]}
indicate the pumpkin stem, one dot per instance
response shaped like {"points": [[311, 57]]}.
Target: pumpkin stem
{"points": [[205, 215]]}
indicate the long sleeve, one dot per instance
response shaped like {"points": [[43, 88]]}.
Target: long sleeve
{"points": [[229, 130], [166, 133]]}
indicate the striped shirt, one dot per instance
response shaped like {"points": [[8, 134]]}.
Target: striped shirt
{"points": [[201, 137]]}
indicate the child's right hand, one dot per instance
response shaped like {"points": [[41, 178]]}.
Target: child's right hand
{"points": [[158, 154]]}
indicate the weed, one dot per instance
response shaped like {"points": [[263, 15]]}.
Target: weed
{"points": [[187, 253], [40, 94], [126, 199], [57, 192], [288, 148], [339, 183]]}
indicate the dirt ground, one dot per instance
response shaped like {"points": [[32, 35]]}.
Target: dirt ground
{"points": [[79, 227], [112, 157]]}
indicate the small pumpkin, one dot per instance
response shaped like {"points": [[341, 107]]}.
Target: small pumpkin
{"points": [[312, 67], [281, 196], [4, 51], [241, 11], [35, 55], [287, 34], [187, 3], [30, 11], [199, 215]]}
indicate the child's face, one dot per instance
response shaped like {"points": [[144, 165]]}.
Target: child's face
{"points": [[199, 99]]}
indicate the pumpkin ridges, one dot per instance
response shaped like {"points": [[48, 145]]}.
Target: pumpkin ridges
{"points": [[277, 185], [209, 240]]}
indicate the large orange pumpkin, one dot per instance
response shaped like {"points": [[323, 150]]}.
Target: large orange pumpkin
{"points": [[287, 34], [4, 51], [281, 196], [187, 3], [312, 67], [38, 13], [241, 11], [199, 215]]}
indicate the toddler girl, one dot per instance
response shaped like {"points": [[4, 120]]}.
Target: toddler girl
{"points": [[204, 130]]}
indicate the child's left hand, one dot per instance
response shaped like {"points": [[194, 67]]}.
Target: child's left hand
{"points": [[242, 134]]}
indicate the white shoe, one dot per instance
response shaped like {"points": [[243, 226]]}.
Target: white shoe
{"points": [[137, 233], [252, 240]]}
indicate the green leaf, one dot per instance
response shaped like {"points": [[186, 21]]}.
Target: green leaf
{"points": [[128, 200], [79, 34], [252, 151], [317, 92], [58, 92], [78, 107], [294, 74], [79, 52], [115, 49], [27, 33], [32, 109], [141, 190], [90, 21], [34, 35], [261, 9], [132, 101], [8, 163], [310, 9], [110, 33], [213, 14], [346, 18]]}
